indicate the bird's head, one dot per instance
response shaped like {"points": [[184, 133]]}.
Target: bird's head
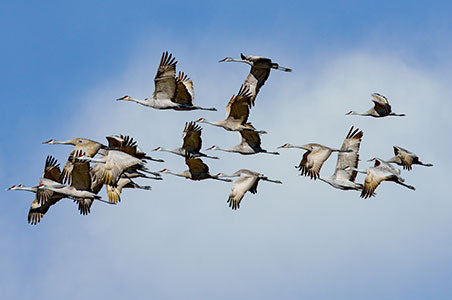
{"points": [[285, 146], [200, 120], [212, 148], [164, 171], [226, 59], [125, 98], [157, 149], [52, 141], [15, 187], [349, 113], [372, 159]]}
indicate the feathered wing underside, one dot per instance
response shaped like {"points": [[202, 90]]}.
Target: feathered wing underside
{"points": [[165, 79], [381, 104], [312, 162], [255, 80], [37, 211], [373, 179], [81, 177], [185, 92], [405, 156], [239, 188], [351, 143], [238, 108], [192, 137], [51, 172], [251, 138], [197, 168]]}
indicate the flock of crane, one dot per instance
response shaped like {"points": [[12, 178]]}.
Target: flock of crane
{"points": [[122, 161]]}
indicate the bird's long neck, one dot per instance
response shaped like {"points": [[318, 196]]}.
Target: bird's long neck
{"points": [[226, 149], [145, 102], [367, 113], [394, 159], [178, 174], [241, 60], [27, 188], [218, 124], [299, 147]]}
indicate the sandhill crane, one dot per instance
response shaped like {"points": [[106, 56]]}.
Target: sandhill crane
{"points": [[260, 70], [381, 171], [406, 158], [170, 92], [345, 179], [45, 195], [250, 144], [313, 159], [128, 145], [237, 112], [381, 108], [248, 181], [116, 162], [87, 146], [37, 210], [192, 142], [197, 170]]}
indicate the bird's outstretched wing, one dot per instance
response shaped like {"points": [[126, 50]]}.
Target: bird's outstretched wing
{"points": [[165, 81], [351, 143], [192, 137], [197, 168], [255, 80], [185, 92], [239, 189], [251, 138], [238, 108]]}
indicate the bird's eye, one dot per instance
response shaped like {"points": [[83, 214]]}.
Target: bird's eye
{"points": [[80, 141]]}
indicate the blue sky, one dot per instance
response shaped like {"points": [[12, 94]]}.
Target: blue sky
{"points": [[64, 64]]}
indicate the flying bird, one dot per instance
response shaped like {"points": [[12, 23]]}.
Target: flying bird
{"points": [[170, 92], [237, 113], [260, 70], [313, 159], [248, 181], [406, 158], [381, 171], [37, 210], [345, 179], [250, 144], [381, 108], [197, 170], [192, 142]]}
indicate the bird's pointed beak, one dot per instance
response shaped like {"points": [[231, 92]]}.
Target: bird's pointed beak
{"points": [[224, 59]]}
